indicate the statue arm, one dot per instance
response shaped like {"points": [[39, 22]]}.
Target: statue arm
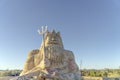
{"points": [[29, 64], [71, 61]]}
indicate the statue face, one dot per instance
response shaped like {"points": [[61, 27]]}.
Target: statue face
{"points": [[53, 38]]}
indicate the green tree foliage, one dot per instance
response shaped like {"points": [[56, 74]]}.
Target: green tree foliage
{"points": [[9, 73], [100, 73]]}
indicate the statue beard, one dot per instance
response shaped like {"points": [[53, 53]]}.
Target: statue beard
{"points": [[55, 55]]}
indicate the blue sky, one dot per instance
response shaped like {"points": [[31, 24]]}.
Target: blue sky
{"points": [[89, 28]]}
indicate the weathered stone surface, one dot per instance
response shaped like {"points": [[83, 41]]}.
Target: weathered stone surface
{"points": [[51, 61]]}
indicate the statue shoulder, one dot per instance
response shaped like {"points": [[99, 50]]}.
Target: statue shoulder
{"points": [[69, 53], [33, 52]]}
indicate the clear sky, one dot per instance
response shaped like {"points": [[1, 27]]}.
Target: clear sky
{"points": [[89, 28]]}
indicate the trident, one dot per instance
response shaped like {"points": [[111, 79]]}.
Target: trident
{"points": [[43, 32]]}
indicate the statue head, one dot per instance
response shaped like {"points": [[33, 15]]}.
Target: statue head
{"points": [[53, 38]]}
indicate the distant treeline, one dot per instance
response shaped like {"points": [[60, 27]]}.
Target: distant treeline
{"points": [[9, 72], [84, 72], [101, 73]]}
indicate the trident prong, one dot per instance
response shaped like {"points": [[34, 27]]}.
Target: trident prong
{"points": [[43, 30]]}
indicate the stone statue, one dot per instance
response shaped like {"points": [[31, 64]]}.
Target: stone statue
{"points": [[51, 61]]}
